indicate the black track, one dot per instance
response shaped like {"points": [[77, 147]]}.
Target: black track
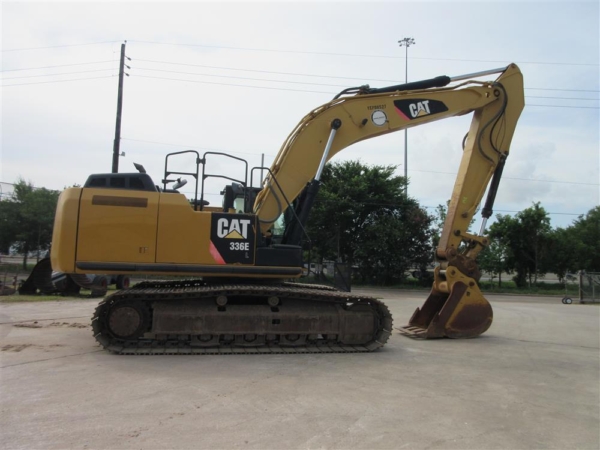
{"points": [[146, 293]]}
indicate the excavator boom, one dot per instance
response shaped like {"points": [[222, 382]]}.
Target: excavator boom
{"points": [[372, 113]]}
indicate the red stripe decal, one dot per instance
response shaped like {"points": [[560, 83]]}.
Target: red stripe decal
{"points": [[215, 254], [404, 116]]}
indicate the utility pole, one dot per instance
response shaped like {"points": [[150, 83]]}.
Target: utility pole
{"points": [[117, 143], [406, 42]]}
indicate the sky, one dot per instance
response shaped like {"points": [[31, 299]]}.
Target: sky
{"points": [[237, 78]]}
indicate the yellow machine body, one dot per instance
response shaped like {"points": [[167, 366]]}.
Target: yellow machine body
{"points": [[122, 232]]}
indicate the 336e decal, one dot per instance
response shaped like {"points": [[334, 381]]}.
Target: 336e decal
{"points": [[232, 238]]}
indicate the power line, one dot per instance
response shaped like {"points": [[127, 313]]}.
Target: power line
{"points": [[354, 55], [557, 89], [243, 78], [56, 74], [565, 98], [56, 81], [58, 46], [238, 85], [552, 181], [435, 207], [323, 76], [266, 80], [195, 147], [265, 71], [298, 52], [566, 106], [516, 178], [313, 92], [312, 84], [59, 65], [250, 86]]}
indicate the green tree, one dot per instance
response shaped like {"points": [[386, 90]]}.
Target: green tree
{"points": [[586, 231], [533, 248], [526, 238], [27, 218], [350, 192], [500, 258], [360, 212], [494, 259], [394, 242], [439, 218], [565, 252]]}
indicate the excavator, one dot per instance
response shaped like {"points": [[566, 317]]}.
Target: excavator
{"points": [[232, 269]]}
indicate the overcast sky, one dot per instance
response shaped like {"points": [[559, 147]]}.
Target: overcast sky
{"points": [[237, 77]]}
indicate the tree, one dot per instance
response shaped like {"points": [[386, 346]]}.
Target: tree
{"points": [[439, 219], [363, 218], [565, 251], [526, 238], [493, 259], [534, 230], [586, 231], [394, 242], [27, 218]]}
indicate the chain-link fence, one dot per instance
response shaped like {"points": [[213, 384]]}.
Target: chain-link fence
{"points": [[589, 287]]}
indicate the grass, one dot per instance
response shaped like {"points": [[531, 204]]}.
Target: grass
{"points": [[16, 298]]}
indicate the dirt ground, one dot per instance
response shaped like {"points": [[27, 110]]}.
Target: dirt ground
{"points": [[531, 381]]}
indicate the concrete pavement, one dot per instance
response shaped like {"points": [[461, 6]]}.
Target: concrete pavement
{"points": [[532, 381]]}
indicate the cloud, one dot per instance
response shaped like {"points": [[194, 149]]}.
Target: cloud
{"points": [[56, 134]]}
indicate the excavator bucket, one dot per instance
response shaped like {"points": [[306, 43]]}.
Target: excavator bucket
{"points": [[462, 312], [40, 278]]}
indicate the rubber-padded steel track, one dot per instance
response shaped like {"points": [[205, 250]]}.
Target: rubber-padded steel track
{"points": [[163, 291]]}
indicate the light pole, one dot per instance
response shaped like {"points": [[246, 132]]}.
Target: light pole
{"points": [[406, 42]]}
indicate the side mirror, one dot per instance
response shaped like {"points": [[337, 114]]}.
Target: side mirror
{"points": [[179, 183]]}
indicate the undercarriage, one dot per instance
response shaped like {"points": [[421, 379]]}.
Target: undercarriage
{"points": [[196, 317]]}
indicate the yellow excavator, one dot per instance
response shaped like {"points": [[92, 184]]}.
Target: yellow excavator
{"points": [[231, 266]]}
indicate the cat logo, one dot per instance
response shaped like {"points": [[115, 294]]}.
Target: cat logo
{"points": [[419, 109], [233, 228]]}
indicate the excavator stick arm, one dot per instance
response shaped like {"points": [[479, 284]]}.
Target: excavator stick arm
{"points": [[456, 308]]}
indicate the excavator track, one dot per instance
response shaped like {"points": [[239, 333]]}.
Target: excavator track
{"points": [[141, 320]]}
